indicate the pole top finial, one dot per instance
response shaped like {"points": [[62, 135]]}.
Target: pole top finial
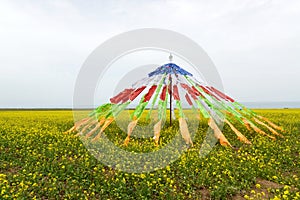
{"points": [[170, 57]]}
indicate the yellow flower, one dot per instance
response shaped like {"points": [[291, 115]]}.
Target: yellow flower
{"points": [[2, 175], [286, 187], [143, 176]]}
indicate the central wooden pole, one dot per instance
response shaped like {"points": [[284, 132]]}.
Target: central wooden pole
{"points": [[170, 78]]}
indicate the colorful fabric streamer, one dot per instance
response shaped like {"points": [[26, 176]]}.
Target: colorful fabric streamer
{"points": [[170, 84]]}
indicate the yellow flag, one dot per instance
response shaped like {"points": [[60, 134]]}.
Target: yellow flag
{"points": [[130, 128], [268, 127], [218, 133], [157, 129], [240, 136], [185, 131], [106, 124]]}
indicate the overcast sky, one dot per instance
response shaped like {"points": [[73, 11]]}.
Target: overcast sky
{"points": [[255, 44]]}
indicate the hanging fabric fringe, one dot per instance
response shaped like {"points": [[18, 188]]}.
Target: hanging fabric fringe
{"points": [[167, 85], [185, 131]]}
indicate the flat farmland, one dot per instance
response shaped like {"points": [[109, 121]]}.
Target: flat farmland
{"points": [[39, 161]]}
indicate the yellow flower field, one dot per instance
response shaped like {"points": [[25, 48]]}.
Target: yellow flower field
{"points": [[39, 161]]}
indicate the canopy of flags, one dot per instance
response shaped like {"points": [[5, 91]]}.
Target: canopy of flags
{"points": [[170, 84]]}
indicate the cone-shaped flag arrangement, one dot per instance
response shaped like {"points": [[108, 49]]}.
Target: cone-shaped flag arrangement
{"points": [[170, 83]]}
